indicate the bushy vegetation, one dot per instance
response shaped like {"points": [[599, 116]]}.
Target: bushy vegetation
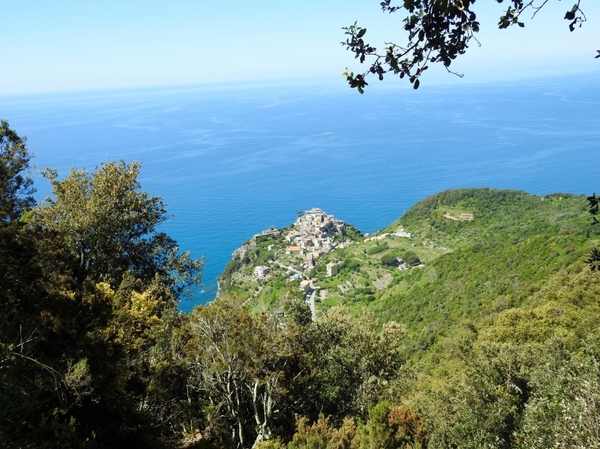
{"points": [[390, 259], [411, 258], [88, 296], [492, 342]]}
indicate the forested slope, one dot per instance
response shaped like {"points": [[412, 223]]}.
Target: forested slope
{"points": [[514, 242]]}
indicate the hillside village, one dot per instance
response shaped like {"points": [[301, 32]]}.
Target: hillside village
{"points": [[310, 237], [295, 249], [309, 257]]}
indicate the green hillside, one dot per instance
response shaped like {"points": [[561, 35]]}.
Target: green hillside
{"points": [[480, 251], [514, 242]]}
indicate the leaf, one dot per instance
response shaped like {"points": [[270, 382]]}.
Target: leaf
{"points": [[361, 33]]}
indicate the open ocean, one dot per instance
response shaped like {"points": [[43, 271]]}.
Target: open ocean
{"points": [[233, 160]]}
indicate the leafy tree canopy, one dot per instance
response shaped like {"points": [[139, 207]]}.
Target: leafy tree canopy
{"points": [[15, 186], [109, 226], [438, 31]]}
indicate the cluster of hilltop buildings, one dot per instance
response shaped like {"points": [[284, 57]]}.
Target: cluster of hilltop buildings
{"points": [[312, 235]]}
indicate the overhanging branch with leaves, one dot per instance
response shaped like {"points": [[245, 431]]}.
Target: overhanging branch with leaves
{"points": [[438, 31]]}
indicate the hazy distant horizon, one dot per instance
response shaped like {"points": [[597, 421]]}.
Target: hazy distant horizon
{"points": [[64, 46]]}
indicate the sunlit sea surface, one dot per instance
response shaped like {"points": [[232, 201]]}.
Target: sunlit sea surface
{"points": [[231, 161]]}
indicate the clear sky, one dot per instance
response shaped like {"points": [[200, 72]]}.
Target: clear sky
{"points": [[64, 45]]}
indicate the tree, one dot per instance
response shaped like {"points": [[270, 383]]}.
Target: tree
{"points": [[244, 370], [355, 365], [15, 186], [480, 406], [390, 427], [109, 227], [390, 259], [564, 409], [24, 376], [16, 249], [438, 32], [322, 435], [88, 308], [88, 289], [411, 258], [298, 312]]}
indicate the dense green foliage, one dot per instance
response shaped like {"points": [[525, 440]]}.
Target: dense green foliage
{"points": [[109, 226], [15, 184], [508, 250], [88, 291], [481, 329]]}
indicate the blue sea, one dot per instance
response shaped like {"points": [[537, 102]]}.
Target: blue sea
{"points": [[232, 160]]}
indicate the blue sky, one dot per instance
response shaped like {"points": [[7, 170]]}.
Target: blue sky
{"points": [[64, 45]]}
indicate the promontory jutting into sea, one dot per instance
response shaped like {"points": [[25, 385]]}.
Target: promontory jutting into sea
{"points": [[233, 161]]}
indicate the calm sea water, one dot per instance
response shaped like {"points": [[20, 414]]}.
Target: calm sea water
{"points": [[231, 161]]}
